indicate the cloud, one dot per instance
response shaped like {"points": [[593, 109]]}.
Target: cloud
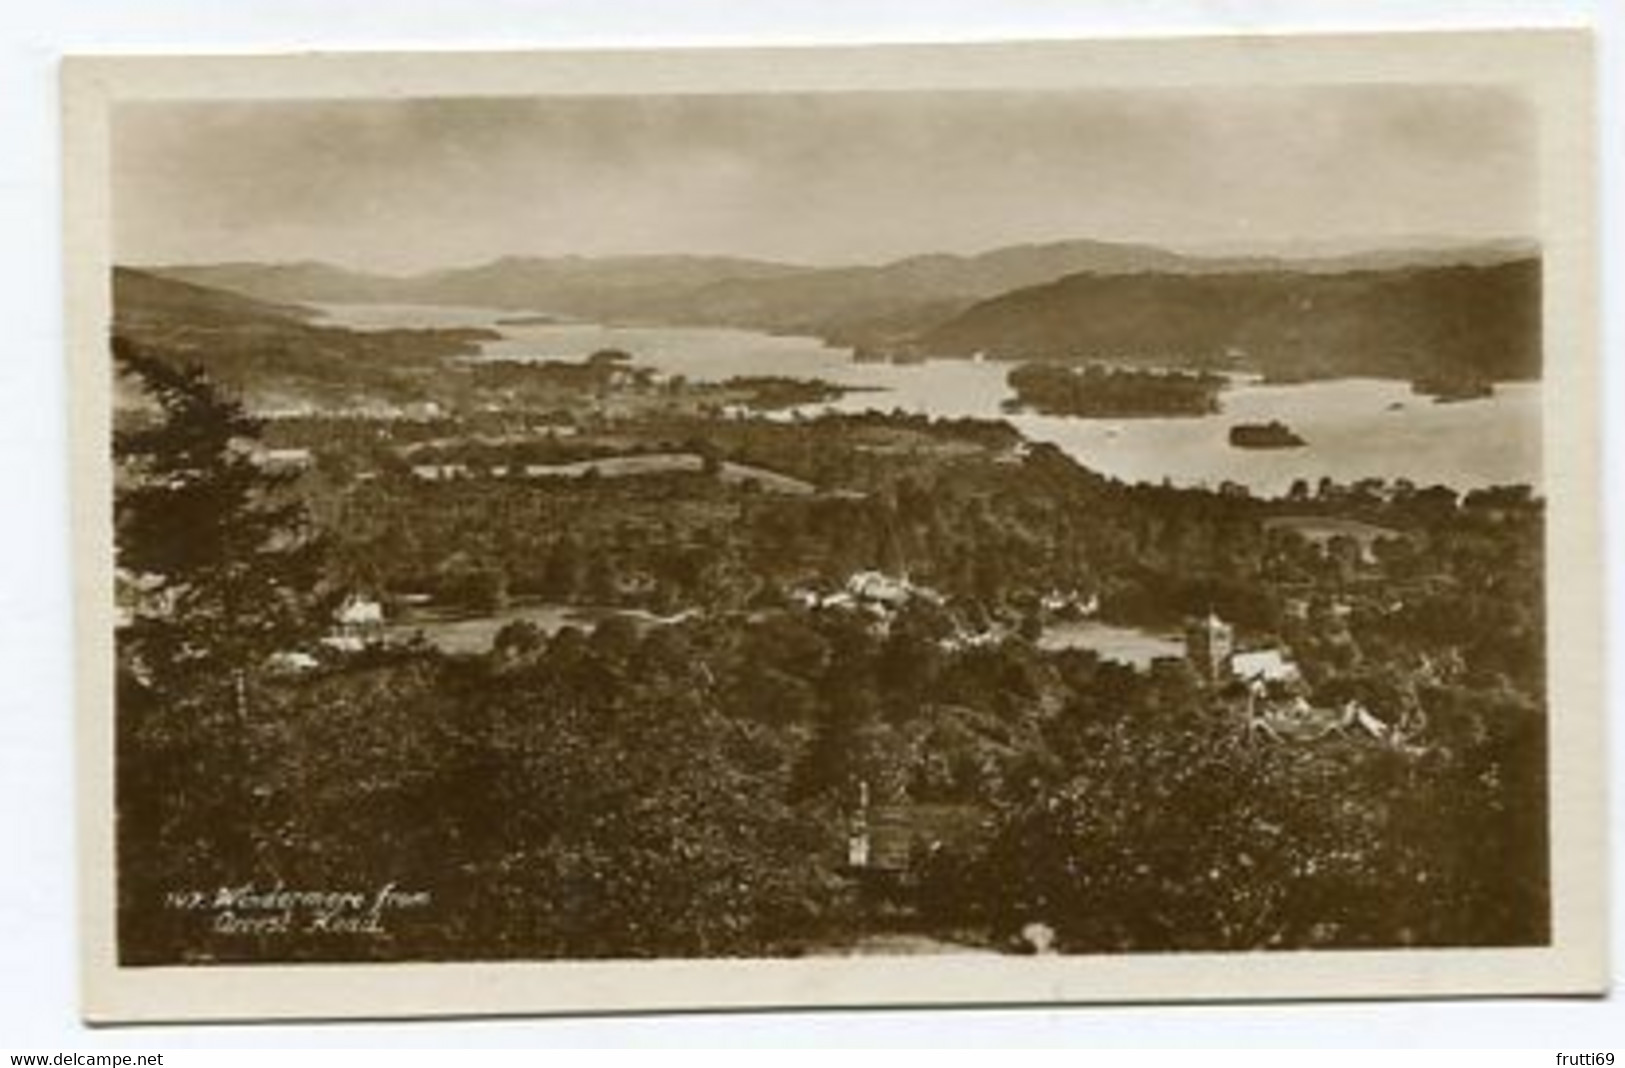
{"points": [[834, 177]]}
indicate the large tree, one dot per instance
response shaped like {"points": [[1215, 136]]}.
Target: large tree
{"points": [[225, 557]]}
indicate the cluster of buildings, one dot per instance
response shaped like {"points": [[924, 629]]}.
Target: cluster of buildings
{"points": [[1276, 706], [1210, 649]]}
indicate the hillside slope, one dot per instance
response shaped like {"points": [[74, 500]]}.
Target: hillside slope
{"points": [[1451, 322], [140, 298], [269, 354]]}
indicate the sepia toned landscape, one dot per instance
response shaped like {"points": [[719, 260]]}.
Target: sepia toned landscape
{"points": [[829, 524]]}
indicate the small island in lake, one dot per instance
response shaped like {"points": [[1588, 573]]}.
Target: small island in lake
{"points": [[1446, 390], [1097, 391], [1271, 435]]}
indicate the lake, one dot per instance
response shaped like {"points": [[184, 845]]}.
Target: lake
{"points": [[472, 634], [1353, 428]]}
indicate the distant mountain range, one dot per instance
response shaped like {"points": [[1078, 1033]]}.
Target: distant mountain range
{"points": [[1466, 308]]}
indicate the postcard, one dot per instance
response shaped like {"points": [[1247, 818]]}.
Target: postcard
{"points": [[998, 523]]}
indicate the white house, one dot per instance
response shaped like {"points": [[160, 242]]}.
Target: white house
{"points": [[360, 622], [1263, 665]]}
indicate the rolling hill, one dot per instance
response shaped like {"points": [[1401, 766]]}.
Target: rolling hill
{"points": [[1443, 309], [142, 300], [722, 290]]}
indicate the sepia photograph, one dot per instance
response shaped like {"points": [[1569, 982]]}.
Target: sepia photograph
{"points": [[968, 524]]}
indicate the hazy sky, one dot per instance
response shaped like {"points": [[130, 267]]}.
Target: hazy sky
{"points": [[812, 178]]}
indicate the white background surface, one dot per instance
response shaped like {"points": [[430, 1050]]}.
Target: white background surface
{"points": [[38, 951]]}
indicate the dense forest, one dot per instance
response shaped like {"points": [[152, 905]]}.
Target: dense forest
{"points": [[686, 786]]}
